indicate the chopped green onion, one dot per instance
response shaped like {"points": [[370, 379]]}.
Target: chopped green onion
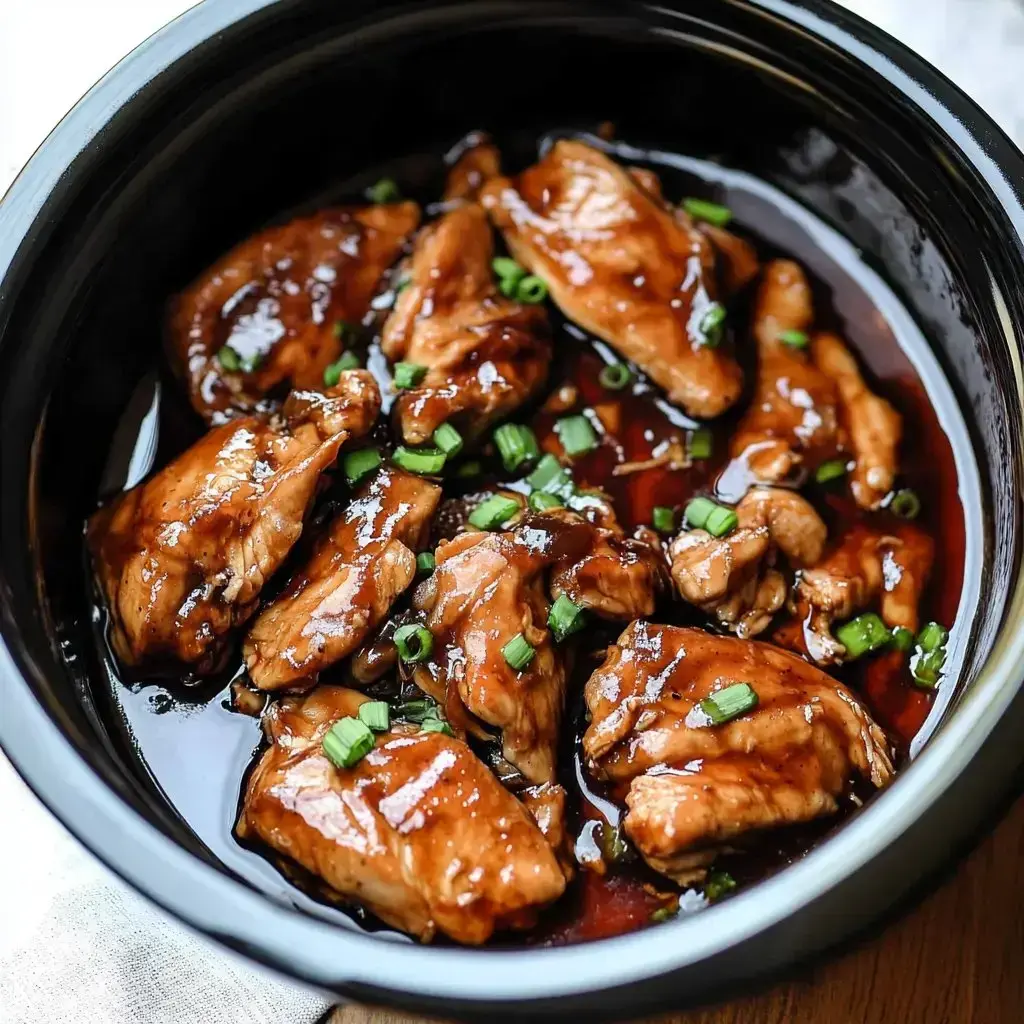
{"points": [[725, 705], [932, 637], [576, 434], [338, 328], [698, 510], [506, 268], [448, 439], [229, 359], [829, 471], [705, 210], [548, 475], [565, 618], [471, 468], [332, 373], [516, 445], [359, 465], [721, 522], [663, 914], [902, 639], [418, 711], [615, 376], [383, 191], [436, 725], [926, 667], [700, 444], [426, 563], [408, 375], [540, 501], [663, 519], [414, 643], [422, 461], [495, 511], [613, 844], [531, 290], [711, 324], [347, 742], [863, 634], [718, 884], [251, 362], [794, 338], [376, 715], [905, 504], [518, 652]]}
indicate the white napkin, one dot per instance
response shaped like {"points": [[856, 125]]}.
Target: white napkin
{"points": [[77, 946]]}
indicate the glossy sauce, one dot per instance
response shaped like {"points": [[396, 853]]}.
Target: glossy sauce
{"points": [[196, 750]]}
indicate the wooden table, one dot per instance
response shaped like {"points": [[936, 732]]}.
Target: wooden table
{"points": [[957, 958]]}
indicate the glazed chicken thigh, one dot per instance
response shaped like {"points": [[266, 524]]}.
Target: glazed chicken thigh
{"points": [[419, 831], [692, 784], [621, 266], [182, 558], [484, 354], [359, 568], [275, 311]]}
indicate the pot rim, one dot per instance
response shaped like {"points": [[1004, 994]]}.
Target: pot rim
{"points": [[226, 908]]}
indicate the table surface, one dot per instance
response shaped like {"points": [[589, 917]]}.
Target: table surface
{"points": [[956, 958]]}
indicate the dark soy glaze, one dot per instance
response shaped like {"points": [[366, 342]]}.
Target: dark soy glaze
{"points": [[196, 750]]}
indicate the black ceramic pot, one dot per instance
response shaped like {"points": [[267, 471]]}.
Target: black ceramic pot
{"points": [[243, 108]]}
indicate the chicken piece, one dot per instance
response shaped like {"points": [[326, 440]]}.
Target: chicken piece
{"points": [[489, 587], [867, 565], [418, 831], [733, 577], [355, 574], [620, 265], [277, 301], [693, 785], [794, 409], [478, 162], [485, 354], [182, 558], [873, 425]]}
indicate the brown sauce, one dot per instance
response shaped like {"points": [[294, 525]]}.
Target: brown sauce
{"points": [[196, 750]]}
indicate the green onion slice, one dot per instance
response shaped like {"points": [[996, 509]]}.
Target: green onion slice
{"points": [[518, 652], [383, 191], [711, 324], [700, 444], [903, 639], [359, 465], [426, 563], [448, 439], [865, 633], [663, 519], [829, 471], [905, 504], [577, 435], [252, 362], [718, 884], [338, 328], [698, 510], [549, 476], [615, 376], [531, 290], [705, 210], [932, 637], [229, 359], [565, 618], [926, 667], [794, 338], [725, 705], [436, 725], [417, 711], [663, 914], [517, 445], [705, 514], [414, 643], [375, 715], [347, 742], [470, 468], [408, 375], [422, 461], [333, 372], [505, 267], [541, 501], [493, 512], [614, 847]]}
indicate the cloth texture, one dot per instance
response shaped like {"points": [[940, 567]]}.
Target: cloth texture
{"points": [[77, 946]]}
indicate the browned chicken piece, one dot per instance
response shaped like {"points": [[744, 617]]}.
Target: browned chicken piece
{"points": [[733, 577], [873, 425], [620, 265], [479, 162], [418, 831], [182, 558], [355, 574], [794, 408], [488, 587], [279, 302], [485, 354], [866, 566], [693, 785]]}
